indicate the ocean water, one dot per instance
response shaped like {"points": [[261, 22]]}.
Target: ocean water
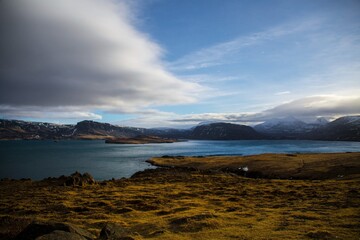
{"points": [[41, 159]]}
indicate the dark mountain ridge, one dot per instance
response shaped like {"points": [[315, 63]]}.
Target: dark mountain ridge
{"points": [[91, 128], [16, 129], [342, 129], [225, 131], [289, 128]]}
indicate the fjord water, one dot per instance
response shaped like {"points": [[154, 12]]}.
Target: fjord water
{"points": [[41, 159]]}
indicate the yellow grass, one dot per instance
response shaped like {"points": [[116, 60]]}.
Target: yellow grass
{"points": [[177, 203], [301, 166]]}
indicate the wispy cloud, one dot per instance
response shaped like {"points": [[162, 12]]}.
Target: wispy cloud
{"points": [[53, 113], [218, 53], [282, 93]]}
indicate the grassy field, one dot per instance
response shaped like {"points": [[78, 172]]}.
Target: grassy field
{"points": [[284, 166], [203, 198]]}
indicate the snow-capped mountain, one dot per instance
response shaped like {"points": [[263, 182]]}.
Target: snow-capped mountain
{"points": [[342, 129], [320, 121], [288, 127]]}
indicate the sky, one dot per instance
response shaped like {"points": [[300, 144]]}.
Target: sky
{"points": [[177, 63]]}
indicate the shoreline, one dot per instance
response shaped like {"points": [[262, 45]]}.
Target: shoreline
{"points": [[227, 163], [196, 163]]}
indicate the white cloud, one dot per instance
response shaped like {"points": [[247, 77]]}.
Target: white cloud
{"points": [[54, 113], [83, 53], [330, 106], [282, 93], [306, 109]]}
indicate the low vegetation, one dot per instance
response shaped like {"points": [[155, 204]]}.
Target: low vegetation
{"points": [[283, 166], [200, 199]]}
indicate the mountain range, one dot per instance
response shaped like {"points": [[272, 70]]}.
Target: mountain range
{"points": [[342, 129]]}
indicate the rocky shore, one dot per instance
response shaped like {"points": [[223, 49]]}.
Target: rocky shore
{"points": [[193, 198]]}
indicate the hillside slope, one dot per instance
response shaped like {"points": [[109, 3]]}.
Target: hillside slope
{"points": [[224, 131]]}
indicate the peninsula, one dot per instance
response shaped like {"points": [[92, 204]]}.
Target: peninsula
{"points": [[143, 139]]}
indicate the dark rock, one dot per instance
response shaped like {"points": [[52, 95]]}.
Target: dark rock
{"points": [[75, 179], [113, 231], [10, 227], [61, 235], [78, 179], [37, 229]]}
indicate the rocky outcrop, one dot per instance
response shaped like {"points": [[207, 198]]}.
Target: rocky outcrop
{"points": [[65, 231], [114, 231], [53, 230], [75, 179], [78, 179], [60, 235]]}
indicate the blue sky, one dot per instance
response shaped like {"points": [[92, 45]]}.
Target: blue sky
{"points": [[183, 62]]}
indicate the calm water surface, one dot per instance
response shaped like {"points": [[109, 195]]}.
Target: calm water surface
{"points": [[40, 159]]}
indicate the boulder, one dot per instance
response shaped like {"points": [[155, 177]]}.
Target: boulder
{"points": [[37, 229], [78, 179], [114, 231], [60, 235]]}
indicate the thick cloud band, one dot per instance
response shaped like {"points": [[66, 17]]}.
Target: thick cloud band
{"points": [[83, 53]]}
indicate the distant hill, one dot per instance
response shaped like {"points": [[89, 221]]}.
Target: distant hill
{"points": [[341, 129], [224, 131], [288, 127], [91, 129], [16, 129]]}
